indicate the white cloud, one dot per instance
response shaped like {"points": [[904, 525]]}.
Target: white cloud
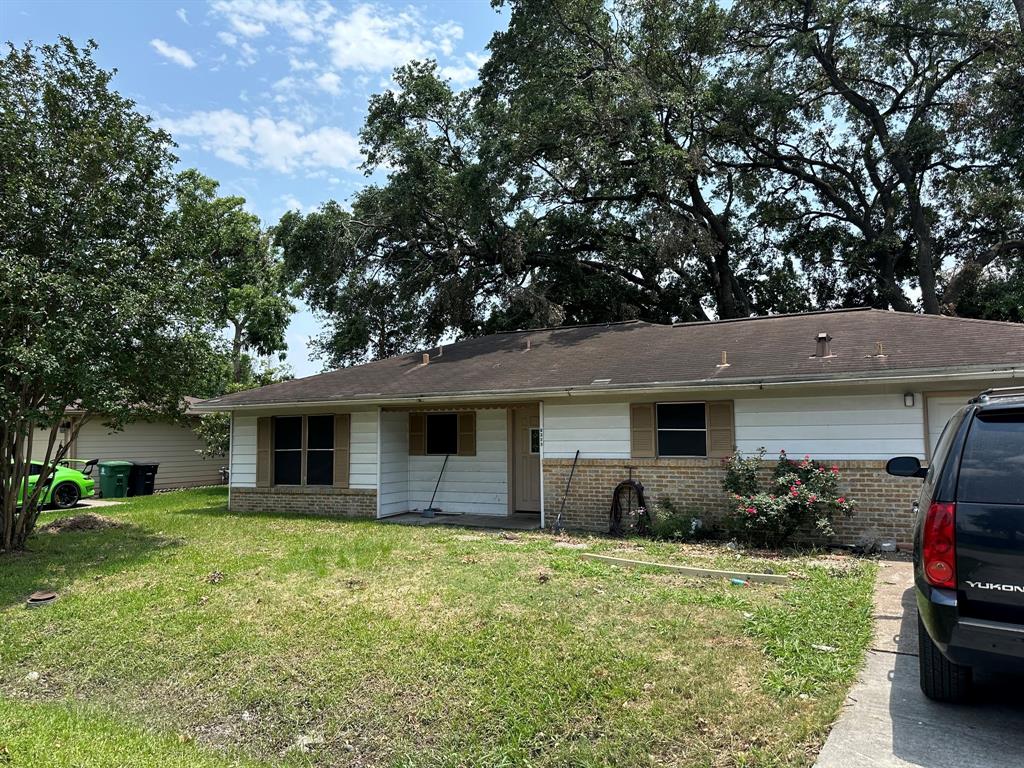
{"points": [[460, 75], [370, 39], [330, 82], [477, 59], [183, 15], [263, 142], [247, 54], [251, 18], [168, 51], [227, 38], [300, 65]]}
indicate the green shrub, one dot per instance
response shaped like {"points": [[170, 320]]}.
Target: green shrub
{"points": [[671, 523], [800, 493]]}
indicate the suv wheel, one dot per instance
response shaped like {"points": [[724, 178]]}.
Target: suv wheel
{"points": [[941, 679]]}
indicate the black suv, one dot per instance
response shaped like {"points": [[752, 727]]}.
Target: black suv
{"points": [[969, 544]]}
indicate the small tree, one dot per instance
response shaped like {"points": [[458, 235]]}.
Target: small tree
{"points": [[800, 493], [96, 308]]}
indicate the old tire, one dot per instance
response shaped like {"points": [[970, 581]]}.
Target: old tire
{"points": [[941, 679], [65, 496]]}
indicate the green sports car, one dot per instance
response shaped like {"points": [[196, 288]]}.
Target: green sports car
{"points": [[68, 485]]}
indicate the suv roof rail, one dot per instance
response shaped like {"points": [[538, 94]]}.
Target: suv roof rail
{"points": [[992, 394]]}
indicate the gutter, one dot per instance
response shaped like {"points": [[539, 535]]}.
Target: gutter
{"points": [[737, 385]]}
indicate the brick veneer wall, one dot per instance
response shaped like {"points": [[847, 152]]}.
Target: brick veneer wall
{"points": [[695, 485], [307, 500]]}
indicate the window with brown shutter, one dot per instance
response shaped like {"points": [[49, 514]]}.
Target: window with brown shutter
{"points": [[304, 450], [342, 449], [721, 428], [467, 433], [641, 431], [417, 434], [263, 451], [442, 434]]}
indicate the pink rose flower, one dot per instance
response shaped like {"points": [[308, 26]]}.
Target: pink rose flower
{"points": [[841, 499]]}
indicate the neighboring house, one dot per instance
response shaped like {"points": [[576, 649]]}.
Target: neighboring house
{"points": [[663, 402], [173, 444]]}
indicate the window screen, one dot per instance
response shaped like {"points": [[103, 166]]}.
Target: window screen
{"points": [[993, 461], [320, 450], [682, 429], [442, 434], [287, 450]]}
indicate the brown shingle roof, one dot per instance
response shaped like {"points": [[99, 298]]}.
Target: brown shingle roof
{"points": [[774, 348]]}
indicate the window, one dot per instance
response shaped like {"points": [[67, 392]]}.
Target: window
{"points": [[442, 434], [287, 450], [682, 429], [320, 450], [993, 460], [534, 440]]}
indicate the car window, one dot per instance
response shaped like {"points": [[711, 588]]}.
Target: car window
{"points": [[35, 469], [992, 467], [942, 447]]}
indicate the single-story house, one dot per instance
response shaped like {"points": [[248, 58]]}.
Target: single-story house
{"points": [[664, 403], [171, 443]]}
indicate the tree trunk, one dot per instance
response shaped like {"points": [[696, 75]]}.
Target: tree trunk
{"points": [[236, 353], [1019, 5]]}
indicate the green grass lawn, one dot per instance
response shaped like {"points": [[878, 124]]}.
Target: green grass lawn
{"points": [[190, 636]]}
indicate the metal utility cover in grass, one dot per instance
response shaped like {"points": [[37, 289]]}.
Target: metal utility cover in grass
{"points": [[685, 570]]}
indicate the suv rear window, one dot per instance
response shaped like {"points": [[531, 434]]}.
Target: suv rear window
{"points": [[992, 468]]}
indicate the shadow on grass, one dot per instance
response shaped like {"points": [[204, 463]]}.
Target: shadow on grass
{"points": [[57, 560]]}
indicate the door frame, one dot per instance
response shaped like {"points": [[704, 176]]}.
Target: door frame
{"points": [[512, 428]]}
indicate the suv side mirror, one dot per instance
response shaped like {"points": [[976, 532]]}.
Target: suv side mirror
{"points": [[905, 466]]}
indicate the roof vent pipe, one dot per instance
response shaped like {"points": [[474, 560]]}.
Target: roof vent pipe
{"points": [[440, 350], [528, 347], [426, 358], [823, 346], [725, 360]]}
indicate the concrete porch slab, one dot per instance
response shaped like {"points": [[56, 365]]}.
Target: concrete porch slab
{"points": [[520, 521]]}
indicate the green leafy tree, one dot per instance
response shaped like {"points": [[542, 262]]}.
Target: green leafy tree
{"points": [[240, 273], [874, 122], [93, 310]]}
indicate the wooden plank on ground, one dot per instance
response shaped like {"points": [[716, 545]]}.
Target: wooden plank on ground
{"points": [[685, 570]]}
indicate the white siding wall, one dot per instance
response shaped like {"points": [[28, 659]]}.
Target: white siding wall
{"points": [[393, 494], [471, 484], [174, 446], [597, 430], [831, 427], [363, 465], [243, 452]]}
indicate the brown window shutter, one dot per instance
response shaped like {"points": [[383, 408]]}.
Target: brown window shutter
{"points": [[417, 434], [721, 429], [264, 425], [342, 449], [642, 431], [467, 433]]}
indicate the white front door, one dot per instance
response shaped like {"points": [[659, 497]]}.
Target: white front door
{"points": [[526, 463]]}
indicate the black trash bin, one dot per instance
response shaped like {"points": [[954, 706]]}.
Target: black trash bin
{"points": [[142, 478]]}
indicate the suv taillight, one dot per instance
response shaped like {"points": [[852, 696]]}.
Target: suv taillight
{"points": [[938, 545]]}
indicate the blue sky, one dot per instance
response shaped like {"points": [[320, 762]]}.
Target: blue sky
{"points": [[266, 96]]}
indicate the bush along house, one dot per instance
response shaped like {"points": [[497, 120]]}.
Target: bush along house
{"points": [[493, 425]]}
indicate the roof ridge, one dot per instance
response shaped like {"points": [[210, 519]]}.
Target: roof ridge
{"points": [[840, 310], [566, 327]]}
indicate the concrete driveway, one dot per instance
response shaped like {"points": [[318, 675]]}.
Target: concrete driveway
{"points": [[887, 721]]}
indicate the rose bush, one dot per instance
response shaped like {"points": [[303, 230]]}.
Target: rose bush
{"points": [[800, 493]]}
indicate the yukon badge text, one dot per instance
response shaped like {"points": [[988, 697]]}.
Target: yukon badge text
{"points": [[999, 587]]}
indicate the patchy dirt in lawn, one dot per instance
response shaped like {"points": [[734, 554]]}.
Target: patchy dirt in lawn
{"points": [[85, 522]]}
